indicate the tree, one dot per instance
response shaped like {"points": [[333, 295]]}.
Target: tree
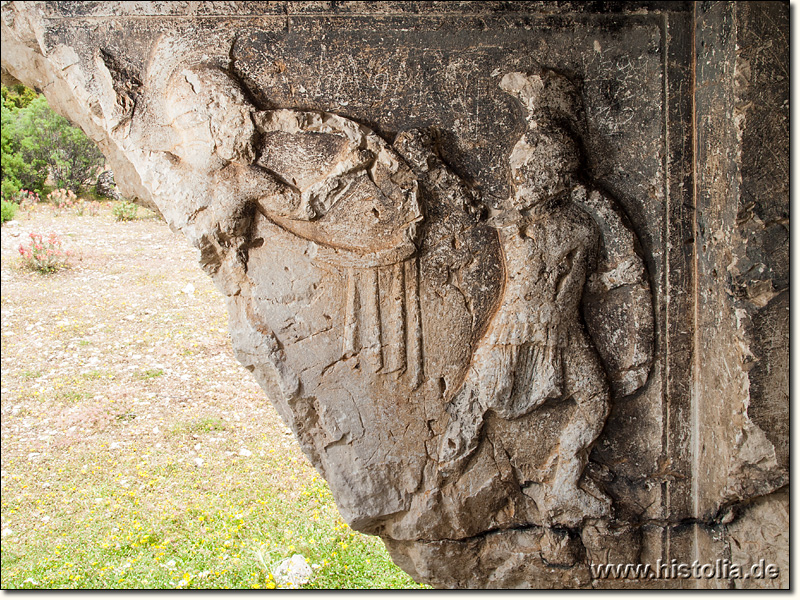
{"points": [[17, 96], [17, 173], [36, 142]]}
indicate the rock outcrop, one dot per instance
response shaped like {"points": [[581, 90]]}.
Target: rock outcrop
{"points": [[106, 186], [521, 329]]}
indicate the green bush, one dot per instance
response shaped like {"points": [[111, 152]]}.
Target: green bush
{"points": [[9, 210], [17, 172], [125, 211], [36, 142], [17, 96]]}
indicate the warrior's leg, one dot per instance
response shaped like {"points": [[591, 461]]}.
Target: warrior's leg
{"points": [[586, 385], [460, 438], [488, 377]]}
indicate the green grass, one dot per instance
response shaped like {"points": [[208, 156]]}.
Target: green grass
{"points": [[95, 374], [101, 486], [207, 424], [91, 195], [125, 211], [128, 521], [202, 425], [150, 373]]}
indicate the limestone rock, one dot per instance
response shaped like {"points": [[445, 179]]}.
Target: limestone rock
{"points": [[292, 572], [761, 533], [106, 186], [469, 255]]}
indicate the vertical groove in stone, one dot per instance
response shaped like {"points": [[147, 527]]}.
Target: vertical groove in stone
{"points": [[413, 324], [371, 337], [350, 341], [395, 343], [696, 364]]}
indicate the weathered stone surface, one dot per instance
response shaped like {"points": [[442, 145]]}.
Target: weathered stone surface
{"points": [[106, 186], [743, 298], [516, 279], [761, 533]]}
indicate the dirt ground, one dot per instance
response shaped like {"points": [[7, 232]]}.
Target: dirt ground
{"points": [[136, 451], [133, 332], [124, 409]]}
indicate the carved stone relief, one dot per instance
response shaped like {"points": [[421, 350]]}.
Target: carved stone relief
{"points": [[326, 196]]}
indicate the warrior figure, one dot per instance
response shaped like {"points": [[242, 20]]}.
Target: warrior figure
{"points": [[536, 346]]}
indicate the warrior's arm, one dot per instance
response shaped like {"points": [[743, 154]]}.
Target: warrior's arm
{"points": [[416, 146]]}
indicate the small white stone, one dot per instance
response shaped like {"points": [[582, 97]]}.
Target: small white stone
{"points": [[292, 572]]}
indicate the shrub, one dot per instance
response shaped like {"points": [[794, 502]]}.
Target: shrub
{"points": [[93, 208], [26, 198], [8, 187], [37, 141], [44, 254], [125, 211], [90, 207], [9, 210], [62, 199], [17, 96], [17, 171]]}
